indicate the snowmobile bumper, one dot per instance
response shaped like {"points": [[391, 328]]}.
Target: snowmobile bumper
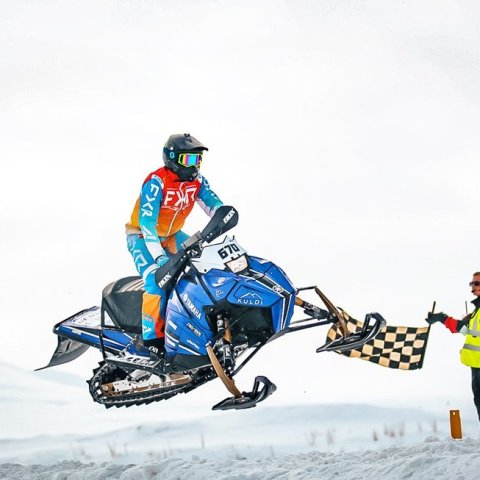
{"points": [[262, 388]]}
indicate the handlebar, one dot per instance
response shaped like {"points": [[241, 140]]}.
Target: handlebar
{"points": [[224, 218]]}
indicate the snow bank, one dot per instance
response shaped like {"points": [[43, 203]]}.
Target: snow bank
{"points": [[256, 433], [434, 458]]}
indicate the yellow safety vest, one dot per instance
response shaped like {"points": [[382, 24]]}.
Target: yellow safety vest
{"points": [[470, 353]]}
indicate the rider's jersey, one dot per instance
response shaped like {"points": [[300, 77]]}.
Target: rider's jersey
{"points": [[164, 204]]}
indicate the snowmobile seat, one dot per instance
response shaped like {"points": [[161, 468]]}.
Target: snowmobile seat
{"points": [[122, 304]]}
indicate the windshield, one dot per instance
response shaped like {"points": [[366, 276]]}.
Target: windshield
{"points": [[218, 255]]}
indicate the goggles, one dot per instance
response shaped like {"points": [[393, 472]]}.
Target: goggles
{"points": [[190, 159]]}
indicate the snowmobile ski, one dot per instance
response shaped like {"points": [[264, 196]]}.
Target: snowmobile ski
{"points": [[262, 388]]}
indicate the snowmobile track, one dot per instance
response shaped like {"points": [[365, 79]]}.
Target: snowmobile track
{"points": [[101, 374]]}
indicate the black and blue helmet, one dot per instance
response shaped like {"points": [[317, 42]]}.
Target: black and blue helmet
{"points": [[182, 154]]}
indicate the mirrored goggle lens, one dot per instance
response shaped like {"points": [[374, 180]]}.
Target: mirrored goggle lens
{"points": [[190, 159]]}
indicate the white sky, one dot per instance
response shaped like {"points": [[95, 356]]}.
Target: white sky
{"points": [[346, 133]]}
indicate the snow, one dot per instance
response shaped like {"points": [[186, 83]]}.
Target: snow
{"points": [[433, 459], [73, 438]]}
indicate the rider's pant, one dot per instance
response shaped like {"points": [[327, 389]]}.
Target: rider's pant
{"points": [[154, 298]]}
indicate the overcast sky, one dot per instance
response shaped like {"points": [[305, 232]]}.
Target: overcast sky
{"points": [[346, 133]]}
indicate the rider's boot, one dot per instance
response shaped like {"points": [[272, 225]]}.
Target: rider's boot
{"points": [[156, 347], [153, 325]]}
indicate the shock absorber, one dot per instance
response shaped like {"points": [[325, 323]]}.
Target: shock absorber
{"points": [[226, 348], [220, 324]]}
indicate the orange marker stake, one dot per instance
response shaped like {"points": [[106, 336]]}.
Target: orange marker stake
{"points": [[455, 424]]}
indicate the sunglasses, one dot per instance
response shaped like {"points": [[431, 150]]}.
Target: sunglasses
{"points": [[190, 159], [476, 283]]}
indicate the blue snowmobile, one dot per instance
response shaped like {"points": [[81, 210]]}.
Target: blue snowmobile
{"points": [[223, 306]]}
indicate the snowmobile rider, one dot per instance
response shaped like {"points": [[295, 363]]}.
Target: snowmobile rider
{"points": [[470, 327], [155, 229]]}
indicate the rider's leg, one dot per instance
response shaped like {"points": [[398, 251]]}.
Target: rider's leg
{"points": [[174, 243], [154, 298], [180, 237]]}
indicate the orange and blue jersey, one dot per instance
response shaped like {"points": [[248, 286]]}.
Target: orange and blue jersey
{"points": [[163, 206]]}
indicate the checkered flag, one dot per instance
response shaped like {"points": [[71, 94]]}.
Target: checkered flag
{"points": [[394, 347]]}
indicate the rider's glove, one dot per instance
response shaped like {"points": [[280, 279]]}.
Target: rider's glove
{"points": [[436, 317], [161, 260]]}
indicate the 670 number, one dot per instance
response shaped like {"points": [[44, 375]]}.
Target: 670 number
{"points": [[228, 250]]}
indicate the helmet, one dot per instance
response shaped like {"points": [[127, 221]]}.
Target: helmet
{"points": [[185, 166]]}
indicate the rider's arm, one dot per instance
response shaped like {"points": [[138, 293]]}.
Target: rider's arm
{"points": [[207, 198], [150, 201]]}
